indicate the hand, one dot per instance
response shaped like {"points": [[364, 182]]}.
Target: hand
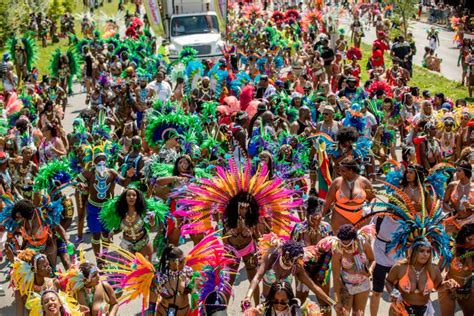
{"points": [[451, 283], [84, 309], [130, 172], [82, 186], [245, 304], [340, 310]]}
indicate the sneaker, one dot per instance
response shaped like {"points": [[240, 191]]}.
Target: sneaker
{"points": [[2, 291], [77, 240]]}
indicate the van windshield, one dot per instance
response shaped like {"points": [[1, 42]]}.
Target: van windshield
{"points": [[187, 25]]}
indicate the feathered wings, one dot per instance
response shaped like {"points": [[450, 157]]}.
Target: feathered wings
{"points": [[213, 195]]}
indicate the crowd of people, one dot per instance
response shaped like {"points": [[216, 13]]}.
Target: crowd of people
{"points": [[278, 155]]}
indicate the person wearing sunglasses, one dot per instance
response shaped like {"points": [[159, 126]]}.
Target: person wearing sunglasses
{"points": [[280, 302]]}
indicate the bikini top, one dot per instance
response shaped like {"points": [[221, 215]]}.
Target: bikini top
{"points": [[40, 236], [359, 198], [456, 197], [406, 286]]}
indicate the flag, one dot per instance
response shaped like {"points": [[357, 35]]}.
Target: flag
{"points": [[154, 17], [324, 176]]}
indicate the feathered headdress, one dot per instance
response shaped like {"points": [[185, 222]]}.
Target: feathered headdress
{"points": [[354, 53], [100, 127], [438, 178], [380, 86], [69, 304], [355, 118], [213, 195], [252, 12], [159, 123], [278, 17], [110, 218], [23, 271], [52, 175], [311, 19], [416, 228], [134, 274]]}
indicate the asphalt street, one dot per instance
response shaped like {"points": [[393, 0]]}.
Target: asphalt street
{"points": [[447, 49], [77, 103]]}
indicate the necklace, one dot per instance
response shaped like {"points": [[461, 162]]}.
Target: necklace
{"points": [[417, 273], [130, 219], [283, 265], [90, 293], [463, 186], [101, 186]]}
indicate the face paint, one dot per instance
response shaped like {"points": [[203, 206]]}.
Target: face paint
{"points": [[100, 168]]}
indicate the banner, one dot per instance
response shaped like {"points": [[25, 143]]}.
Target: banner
{"points": [[220, 8], [154, 17]]}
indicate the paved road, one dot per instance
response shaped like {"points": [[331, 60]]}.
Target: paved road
{"points": [[447, 50]]}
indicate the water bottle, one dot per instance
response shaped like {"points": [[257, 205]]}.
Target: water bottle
{"points": [[70, 249]]}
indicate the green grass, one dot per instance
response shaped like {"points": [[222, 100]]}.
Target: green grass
{"points": [[422, 78], [45, 53]]}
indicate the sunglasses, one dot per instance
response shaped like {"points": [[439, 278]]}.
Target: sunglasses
{"points": [[283, 303]]}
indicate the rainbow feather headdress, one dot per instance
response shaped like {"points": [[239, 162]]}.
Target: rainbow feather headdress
{"points": [[416, 229], [134, 274], [213, 195]]}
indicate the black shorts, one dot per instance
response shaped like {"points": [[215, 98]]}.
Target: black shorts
{"points": [[378, 277]]}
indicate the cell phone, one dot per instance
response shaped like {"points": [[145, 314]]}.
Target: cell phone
{"points": [[172, 310]]}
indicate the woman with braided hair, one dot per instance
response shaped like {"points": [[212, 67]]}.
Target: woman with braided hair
{"points": [[278, 264], [352, 257]]}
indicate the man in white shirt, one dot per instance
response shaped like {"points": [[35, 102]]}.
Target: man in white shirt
{"points": [[162, 88]]}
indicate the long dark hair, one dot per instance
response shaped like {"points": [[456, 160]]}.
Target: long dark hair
{"points": [[25, 207], [419, 171], [270, 163], [465, 231], [122, 205], [169, 253], [231, 212], [190, 170], [284, 286]]}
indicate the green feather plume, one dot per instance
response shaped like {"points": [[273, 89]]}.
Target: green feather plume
{"points": [[45, 178], [109, 216]]}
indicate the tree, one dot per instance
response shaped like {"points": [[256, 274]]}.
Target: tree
{"points": [[68, 5], [406, 9], [55, 9]]}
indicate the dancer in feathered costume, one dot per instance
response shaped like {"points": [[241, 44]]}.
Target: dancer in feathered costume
{"points": [[65, 67], [241, 200], [280, 261], [309, 233], [419, 237], [134, 215], [311, 21], [171, 279], [30, 274], [84, 283], [351, 258], [55, 303], [24, 52]]}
